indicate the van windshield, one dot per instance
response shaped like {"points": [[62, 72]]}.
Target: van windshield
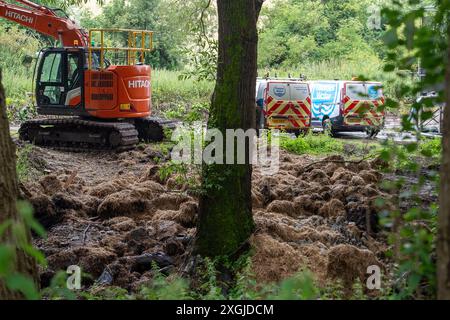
{"points": [[364, 91]]}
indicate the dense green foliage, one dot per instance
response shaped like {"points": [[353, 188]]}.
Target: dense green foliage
{"points": [[142, 15], [416, 38], [297, 31], [313, 144]]}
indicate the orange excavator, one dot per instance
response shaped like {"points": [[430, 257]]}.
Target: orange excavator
{"points": [[88, 102]]}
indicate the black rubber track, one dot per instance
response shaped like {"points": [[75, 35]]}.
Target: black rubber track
{"points": [[75, 134], [154, 129]]}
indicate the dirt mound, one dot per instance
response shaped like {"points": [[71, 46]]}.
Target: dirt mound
{"points": [[108, 187], [342, 175], [44, 210], [122, 223], [317, 213], [92, 260], [282, 206], [333, 208], [349, 263], [370, 176], [274, 260], [123, 203], [50, 184], [318, 175], [170, 201]]}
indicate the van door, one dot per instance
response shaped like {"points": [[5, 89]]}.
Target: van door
{"points": [[361, 104], [276, 103], [300, 111], [288, 105]]}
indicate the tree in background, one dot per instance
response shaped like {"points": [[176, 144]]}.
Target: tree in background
{"points": [[293, 32], [225, 219], [143, 15]]}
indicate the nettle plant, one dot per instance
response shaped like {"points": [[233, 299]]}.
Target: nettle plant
{"points": [[415, 45]]}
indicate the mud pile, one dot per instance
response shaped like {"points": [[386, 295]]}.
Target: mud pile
{"points": [[318, 215], [321, 216], [115, 228]]}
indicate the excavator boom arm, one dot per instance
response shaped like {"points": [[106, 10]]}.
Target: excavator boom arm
{"points": [[45, 21]]}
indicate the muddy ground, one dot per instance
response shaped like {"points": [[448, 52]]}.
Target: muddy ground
{"points": [[114, 216]]}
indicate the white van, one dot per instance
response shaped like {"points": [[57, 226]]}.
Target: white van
{"points": [[347, 106], [283, 104]]}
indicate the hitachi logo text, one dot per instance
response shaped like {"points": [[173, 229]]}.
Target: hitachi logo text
{"points": [[135, 84], [18, 16]]}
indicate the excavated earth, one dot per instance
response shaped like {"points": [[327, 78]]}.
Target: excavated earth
{"points": [[113, 215]]}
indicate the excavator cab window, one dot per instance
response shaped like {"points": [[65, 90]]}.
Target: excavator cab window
{"points": [[51, 80], [73, 70], [60, 77]]}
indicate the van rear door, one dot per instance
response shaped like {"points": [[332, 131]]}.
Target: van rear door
{"points": [[301, 100], [288, 105], [361, 104]]}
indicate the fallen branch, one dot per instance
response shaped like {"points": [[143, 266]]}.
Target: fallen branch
{"points": [[85, 233]]}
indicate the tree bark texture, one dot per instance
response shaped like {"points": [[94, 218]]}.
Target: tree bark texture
{"points": [[443, 241], [225, 219], [8, 197]]}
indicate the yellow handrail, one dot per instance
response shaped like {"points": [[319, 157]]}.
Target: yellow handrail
{"points": [[131, 50]]}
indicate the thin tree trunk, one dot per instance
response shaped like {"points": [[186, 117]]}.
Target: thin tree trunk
{"points": [[225, 219], [8, 196], [443, 242]]}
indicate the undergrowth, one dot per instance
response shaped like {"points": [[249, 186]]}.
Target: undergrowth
{"points": [[312, 144], [23, 167], [301, 286]]}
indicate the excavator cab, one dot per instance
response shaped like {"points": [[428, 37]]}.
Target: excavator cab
{"points": [[59, 81]]}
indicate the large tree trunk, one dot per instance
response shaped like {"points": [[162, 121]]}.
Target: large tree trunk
{"points": [[225, 219], [443, 242], [8, 196]]}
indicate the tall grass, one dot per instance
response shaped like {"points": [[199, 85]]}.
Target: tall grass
{"points": [[330, 69], [16, 75], [167, 88]]}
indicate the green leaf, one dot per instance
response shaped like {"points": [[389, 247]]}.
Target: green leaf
{"points": [[7, 255], [23, 284], [35, 253]]}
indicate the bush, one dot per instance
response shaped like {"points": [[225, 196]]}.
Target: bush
{"points": [[313, 144]]}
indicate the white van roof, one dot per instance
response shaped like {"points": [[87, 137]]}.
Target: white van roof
{"points": [[282, 81], [342, 81]]}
